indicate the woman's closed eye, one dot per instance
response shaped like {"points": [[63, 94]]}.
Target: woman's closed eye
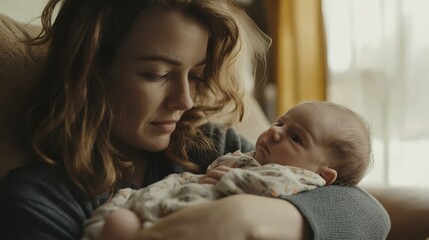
{"points": [[197, 77], [165, 76], [155, 76]]}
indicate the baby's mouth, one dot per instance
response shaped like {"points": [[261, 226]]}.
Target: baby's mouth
{"points": [[265, 148]]}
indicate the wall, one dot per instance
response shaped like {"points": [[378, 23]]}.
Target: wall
{"points": [[23, 10]]}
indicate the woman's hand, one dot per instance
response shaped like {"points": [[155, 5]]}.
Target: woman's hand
{"points": [[237, 217]]}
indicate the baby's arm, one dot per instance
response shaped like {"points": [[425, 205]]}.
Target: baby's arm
{"points": [[120, 224], [224, 164], [213, 175]]}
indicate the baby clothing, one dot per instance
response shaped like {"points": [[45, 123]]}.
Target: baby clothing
{"points": [[177, 191]]}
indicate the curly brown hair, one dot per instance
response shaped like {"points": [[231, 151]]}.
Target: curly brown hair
{"points": [[73, 121]]}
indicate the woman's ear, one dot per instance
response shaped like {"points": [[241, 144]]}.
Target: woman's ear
{"points": [[329, 174]]}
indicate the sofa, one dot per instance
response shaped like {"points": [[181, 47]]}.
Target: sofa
{"points": [[408, 207]]}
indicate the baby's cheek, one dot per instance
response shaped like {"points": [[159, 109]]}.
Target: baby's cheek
{"points": [[260, 158]]}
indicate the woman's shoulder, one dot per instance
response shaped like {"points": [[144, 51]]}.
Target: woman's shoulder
{"points": [[42, 201], [40, 182], [35, 180], [36, 171]]}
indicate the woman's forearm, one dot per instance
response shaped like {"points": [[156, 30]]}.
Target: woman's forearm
{"points": [[274, 219], [238, 217]]}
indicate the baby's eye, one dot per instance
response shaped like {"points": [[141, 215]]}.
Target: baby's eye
{"points": [[295, 137]]}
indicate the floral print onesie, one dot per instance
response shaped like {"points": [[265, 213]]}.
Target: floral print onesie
{"points": [[177, 191]]}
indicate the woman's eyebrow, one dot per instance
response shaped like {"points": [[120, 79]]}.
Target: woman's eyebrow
{"points": [[165, 59]]}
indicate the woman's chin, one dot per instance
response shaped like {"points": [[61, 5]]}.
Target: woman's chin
{"points": [[158, 145]]}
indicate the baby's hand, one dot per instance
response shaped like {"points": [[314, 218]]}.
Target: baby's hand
{"points": [[213, 176]]}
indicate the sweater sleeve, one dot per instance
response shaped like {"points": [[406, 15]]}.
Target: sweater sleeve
{"points": [[336, 212]]}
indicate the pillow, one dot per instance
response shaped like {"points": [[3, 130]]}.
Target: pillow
{"points": [[19, 67]]}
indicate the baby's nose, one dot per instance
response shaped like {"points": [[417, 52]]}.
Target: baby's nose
{"points": [[274, 134]]}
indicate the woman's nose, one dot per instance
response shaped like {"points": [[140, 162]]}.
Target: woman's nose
{"points": [[274, 134], [181, 94]]}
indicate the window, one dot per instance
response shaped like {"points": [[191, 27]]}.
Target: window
{"points": [[378, 66]]}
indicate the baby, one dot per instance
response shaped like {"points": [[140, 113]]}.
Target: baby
{"points": [[313, 144]]}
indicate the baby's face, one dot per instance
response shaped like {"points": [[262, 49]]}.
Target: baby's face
{"points": [[296, 138]]}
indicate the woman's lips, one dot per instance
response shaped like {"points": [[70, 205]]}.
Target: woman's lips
{"points": [[165, 127]]}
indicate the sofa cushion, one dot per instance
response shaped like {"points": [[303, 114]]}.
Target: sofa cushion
{"points": [[408, 208], [19, 68]]}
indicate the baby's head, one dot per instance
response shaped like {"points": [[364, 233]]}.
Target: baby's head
{"points": [[326, 138]]}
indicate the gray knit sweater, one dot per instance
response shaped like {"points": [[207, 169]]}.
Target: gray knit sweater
{"points": [[39, 202]]}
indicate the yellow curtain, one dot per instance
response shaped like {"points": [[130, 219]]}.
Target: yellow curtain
{"points": [[298, 51]]}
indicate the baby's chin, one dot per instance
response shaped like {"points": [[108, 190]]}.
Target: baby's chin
{"points": [[260, 157]]}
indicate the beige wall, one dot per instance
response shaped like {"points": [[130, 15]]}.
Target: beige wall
{"points": [[22, 10]]}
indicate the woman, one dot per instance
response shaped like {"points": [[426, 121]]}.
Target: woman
{"points": [[128, 88]]}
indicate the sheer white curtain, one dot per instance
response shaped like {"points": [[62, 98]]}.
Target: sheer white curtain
{"points": [[378, 59]]}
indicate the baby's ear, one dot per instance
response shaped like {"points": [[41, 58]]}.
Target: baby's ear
{"points": [[329, 174]]}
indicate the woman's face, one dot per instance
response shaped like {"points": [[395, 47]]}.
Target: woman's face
{"points": [[156, 69]]}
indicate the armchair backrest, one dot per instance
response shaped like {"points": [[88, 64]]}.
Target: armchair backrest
{"points": [[19, 68]]}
